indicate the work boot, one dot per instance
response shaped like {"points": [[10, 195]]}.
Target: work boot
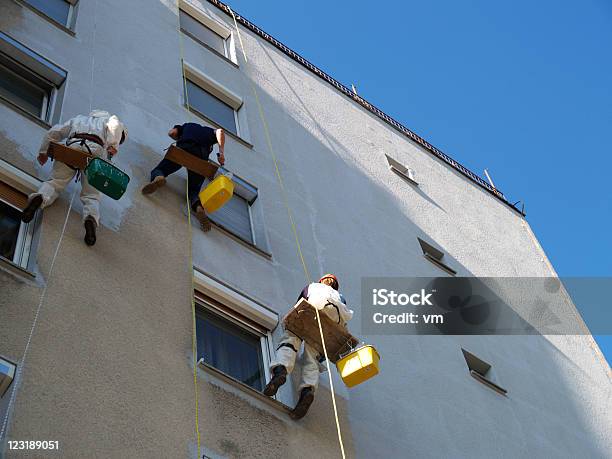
{"points": [[279, 377], [203, 219], [306, 399], [156, 183], [28, 213], [90, 231]]}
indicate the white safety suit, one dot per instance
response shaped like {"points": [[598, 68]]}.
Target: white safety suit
{"points": [[100, 123], [329, 302]]}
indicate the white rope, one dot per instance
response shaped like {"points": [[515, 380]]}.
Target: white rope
{"points": [[269, 141], [43, 294], [93, 58]]}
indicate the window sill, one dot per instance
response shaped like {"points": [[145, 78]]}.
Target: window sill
{"points": [[241, 241], [15, 269], [211, 49], [49, 19], [217, 126], [25, 113], [276, 404]]}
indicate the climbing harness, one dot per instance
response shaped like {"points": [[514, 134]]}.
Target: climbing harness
{"points": [[295, 233]]}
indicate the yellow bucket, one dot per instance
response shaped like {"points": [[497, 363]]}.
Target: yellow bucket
{"points": [[217, 193], [359, 366]]}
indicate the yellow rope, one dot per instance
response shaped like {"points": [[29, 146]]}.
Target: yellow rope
{"points": [[295, 233], [194, 342]]}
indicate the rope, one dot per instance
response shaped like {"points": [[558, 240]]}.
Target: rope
{"points": [[295, 233], [43, 295], [194, 342], [93, 59]]}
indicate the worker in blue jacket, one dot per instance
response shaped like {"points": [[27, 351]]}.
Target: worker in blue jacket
{"points": [[199, 141], [324, 296]]}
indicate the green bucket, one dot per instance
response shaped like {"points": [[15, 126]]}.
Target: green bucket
{"points": [[106, 178]]}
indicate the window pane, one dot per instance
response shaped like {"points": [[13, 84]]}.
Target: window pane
{"points": [[229, 348], [234, 216], [10, 221], [202, 33], [211, 107], [55, 9], [21, 92]]}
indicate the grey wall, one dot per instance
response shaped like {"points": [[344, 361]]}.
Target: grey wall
{"points": [[109, 371]]}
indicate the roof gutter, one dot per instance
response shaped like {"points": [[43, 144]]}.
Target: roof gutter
{"points": [[368, 106]]}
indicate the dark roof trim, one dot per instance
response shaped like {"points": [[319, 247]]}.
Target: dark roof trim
{"points": [[364, 103]]}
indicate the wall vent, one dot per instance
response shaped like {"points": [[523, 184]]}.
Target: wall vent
{"points": [[479, 369]]}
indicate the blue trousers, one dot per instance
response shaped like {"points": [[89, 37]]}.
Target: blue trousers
{"points": [[166, 167]]}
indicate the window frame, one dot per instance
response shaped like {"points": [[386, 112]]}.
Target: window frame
{"points": [[253, 240], [198, 112], [24, 62], [216, 26], [225, 41], [218, 309], [24, 184], [70, 20], [49, 93], [23, 244], [224, 94], [4, 387]]}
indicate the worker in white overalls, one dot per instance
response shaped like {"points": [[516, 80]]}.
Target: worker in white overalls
{"points": [[324, 296], [100, 134]]}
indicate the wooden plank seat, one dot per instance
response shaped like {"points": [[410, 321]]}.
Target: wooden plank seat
{"points": [[69, 156], [201, 167], [302, 322]]}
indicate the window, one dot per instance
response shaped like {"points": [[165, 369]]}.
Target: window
{"points": [[15, 236], [236, 216], [480, 371], [435, 256], [231, 344], [59, 11], [24, 89], [7, 374], [211, 107], [202, 34], [28, 81], [401, 170]]}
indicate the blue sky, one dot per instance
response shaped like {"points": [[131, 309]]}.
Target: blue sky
{"points": [[521, 88]]}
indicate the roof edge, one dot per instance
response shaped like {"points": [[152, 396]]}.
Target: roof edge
{"points": [[367, 105]]}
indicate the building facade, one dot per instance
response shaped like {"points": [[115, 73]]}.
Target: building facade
{"points": [[103, 362]]}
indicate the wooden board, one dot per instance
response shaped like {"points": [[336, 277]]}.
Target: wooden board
{"points": [[302, 321], [70, 156], [199, 166]]}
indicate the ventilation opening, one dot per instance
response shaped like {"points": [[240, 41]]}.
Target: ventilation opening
{"points": [[435, 256], [480, 371], [401, 170]]}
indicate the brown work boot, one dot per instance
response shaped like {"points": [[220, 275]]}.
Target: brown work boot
{"points": [[90, 231], [306, 399], [28, 213], [203, 219], [152, 186], [279, 377]]}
